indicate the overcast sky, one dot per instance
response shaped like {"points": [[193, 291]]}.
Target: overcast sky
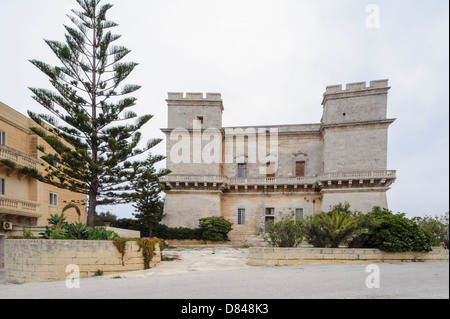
{"points": [[271, 60]]}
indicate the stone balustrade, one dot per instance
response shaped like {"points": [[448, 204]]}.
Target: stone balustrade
{"points": [[19, 206], [18, 158]]}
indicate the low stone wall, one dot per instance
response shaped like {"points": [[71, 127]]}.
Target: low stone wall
{"points": [[35, 260], [124, 233], [270, 256], [189, 242]]}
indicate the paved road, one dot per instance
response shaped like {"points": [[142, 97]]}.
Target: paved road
{"points": [[396, 280]]}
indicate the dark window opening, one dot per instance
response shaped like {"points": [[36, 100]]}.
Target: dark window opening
{"points": [[300, 169]]}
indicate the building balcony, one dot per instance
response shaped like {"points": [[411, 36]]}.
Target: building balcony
{"points": [[20, 207], [18, 158], [382, 178], [335, 180], [273, 181]]}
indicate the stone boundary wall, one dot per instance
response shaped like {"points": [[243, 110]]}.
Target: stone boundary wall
{"points": [[270, 256], [37, 260], [190, 242], [124, 233]]}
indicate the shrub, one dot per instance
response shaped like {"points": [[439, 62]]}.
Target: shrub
{"points": [[215, 228], [438, 228], [285, 233], [391, 232], [58, 228], [163, 231], [330, 229]]}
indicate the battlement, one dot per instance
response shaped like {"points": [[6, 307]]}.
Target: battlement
{"points": [[179, 96], [356, 86]]}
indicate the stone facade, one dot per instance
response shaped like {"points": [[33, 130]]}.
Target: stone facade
{"points": [[38, 260], [276, 256], [24, 201], [252, 175]]}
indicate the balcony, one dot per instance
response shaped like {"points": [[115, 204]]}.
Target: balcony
{"points": [[273, 181], [340, 179], [15, 206], [18, 158], [390, 174]]}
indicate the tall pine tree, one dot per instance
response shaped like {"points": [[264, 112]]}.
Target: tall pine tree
{"points": [[89, 124]]}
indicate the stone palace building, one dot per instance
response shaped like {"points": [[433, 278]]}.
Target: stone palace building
{"points": [[252, 175]]}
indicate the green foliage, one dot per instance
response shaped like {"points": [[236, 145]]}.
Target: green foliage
{"points": [[437, 226], [105, 217], [121, 244], [59, 229], [330, 229], [8, 163], [285, 233], [78, 231], [163, 231], [26, 233], [145, 192], [391, 232], [99, 272], [147, 246], [100, 233], [215, 228]]}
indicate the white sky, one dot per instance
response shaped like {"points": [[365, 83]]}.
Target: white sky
{"points": [[271, 60]]}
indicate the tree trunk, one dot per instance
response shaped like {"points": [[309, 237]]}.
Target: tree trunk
{"points": [[91, 208], [150, 231], [94, 185]]}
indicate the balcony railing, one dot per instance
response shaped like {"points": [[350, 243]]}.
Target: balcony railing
{"points": [[18, 158], [194, 178], [19, 206], [272, 181], [390, 174], [307, 180]]}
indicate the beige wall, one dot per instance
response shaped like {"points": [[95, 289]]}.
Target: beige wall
{"points": [[255, 205], [268, 256], [46, 260], [360, 200], [355, 148], [184, 209]]}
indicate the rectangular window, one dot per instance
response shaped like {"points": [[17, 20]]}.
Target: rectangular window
{"points": [[241, 216], [242, 170], [270, 211], [53, 199], [2, 138], [270, 169], [300, 169], [268, 221], [298, 214], [2, 186]]}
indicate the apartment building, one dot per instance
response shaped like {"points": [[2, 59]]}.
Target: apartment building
{"points": [[24, 201]]}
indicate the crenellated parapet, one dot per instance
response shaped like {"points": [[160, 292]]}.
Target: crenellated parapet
{"points": [[179, 96], [357, 86]]}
